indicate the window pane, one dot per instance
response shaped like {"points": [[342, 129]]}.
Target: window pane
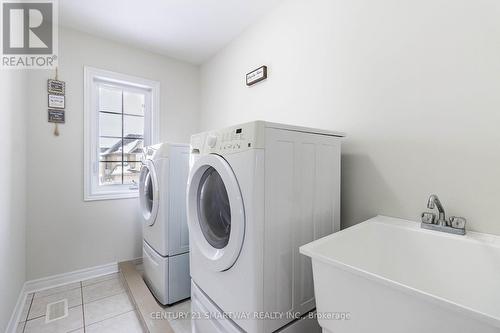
{"points": [[106, 143], [133, 126], [133, 103], [135, 157], [110, 149], [132, 149], [110, 99], [110, 124], [110, 173], [131, 172]]}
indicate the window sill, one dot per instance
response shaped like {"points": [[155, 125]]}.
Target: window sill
{"points": [[111, 196]]}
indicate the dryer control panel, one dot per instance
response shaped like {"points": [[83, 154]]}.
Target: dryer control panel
{"points": [[229, 140]]}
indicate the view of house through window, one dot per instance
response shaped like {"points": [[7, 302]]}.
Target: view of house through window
{"points": [[121, 133]]}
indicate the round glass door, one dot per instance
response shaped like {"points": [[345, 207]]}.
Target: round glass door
{"points": [[216, 218], [214, 210], [148, 193]]}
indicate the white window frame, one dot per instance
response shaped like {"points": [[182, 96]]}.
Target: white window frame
{"points": [[92, 190]]}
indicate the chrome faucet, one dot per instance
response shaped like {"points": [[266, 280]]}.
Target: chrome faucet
{"points": [[434, 202], [455, 225]]}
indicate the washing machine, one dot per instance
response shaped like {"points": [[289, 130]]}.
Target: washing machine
{"points": [[162, 195], [257, 192]]}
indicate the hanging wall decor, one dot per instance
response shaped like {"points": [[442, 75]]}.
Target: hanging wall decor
{"points": [[56, 116], [56, 101], [56, 87], [256, 75]]}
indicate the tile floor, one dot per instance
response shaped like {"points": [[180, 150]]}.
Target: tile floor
{"points": [[98, 305]]}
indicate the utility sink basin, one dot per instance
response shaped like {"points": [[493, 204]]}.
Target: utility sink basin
{"points": [[389, 275]]}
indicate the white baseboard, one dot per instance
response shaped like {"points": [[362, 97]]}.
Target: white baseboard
{"points": [[58, 280], [70, 277], [136, 261], [16, 314]]}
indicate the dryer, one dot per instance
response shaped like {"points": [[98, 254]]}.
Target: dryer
{"points": [[162, 195], [256, 193]]}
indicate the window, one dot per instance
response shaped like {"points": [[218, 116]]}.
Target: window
{"points": [[121, 117]]}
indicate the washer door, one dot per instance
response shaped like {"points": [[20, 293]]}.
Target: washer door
{"points": [[148, 193], [216, 216]]}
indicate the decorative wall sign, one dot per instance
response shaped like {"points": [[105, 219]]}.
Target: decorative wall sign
{"points": [[56, 116], [56, 87], [56, 101], [257, 75]]}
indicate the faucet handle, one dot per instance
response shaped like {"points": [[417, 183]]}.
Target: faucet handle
{"points": [[457, 222], [428, 218]]}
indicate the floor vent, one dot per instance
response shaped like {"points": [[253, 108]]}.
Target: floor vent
{"points": [[56, 310]]}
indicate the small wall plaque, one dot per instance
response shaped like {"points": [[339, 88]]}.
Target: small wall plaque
{"points": [[56, 87], [56, 116], [56, 101], [257, 75]]}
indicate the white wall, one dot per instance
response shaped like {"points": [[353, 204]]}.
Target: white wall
{"points": [[64, 232], [415, 84], [13, 107]]}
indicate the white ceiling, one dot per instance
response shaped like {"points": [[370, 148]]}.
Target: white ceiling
{"points": [[190, 30]]}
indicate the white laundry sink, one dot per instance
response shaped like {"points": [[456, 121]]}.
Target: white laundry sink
{"points": [[389, 275]]}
